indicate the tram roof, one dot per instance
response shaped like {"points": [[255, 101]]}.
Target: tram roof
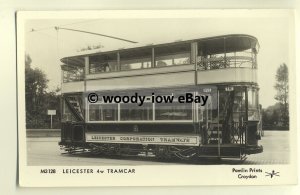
{"points": [[208, 46]]}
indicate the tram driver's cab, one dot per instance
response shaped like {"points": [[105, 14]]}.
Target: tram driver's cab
{"points": [[231, 116]]}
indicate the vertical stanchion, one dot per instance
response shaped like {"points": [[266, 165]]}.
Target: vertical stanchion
{"points": [[152, 58], [194, 56], [51, 122], [246, 115], [219, 149], [85, 73]]}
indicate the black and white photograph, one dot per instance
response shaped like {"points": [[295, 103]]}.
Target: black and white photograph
{"points": [[128, 95]]}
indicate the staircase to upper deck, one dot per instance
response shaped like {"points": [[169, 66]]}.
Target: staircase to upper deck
{"points": [[74, 104]]}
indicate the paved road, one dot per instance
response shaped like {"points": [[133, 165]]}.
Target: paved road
{"points": [[45, 151], [276, 149]]}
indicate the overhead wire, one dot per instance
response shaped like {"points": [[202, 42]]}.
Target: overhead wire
{"points": [[55, 37], [52, 27]]}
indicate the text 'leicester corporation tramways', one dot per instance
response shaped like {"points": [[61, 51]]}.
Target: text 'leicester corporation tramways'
{"points": [[145, 139]]}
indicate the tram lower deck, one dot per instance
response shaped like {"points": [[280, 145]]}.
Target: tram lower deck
{"points": [[225, 127]]}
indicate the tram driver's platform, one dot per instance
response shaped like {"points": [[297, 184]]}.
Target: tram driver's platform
{"points": [[228, 150]]}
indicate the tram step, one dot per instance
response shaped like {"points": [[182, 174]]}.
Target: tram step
{"points": [[217, 156], [214, 141], [225, 150]]}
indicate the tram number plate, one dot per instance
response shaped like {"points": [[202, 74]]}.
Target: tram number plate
{"points": [[229, 88], [144, 139]]}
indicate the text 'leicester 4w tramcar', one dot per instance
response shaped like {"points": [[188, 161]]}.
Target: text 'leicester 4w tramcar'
{"points": [[223, 68]]}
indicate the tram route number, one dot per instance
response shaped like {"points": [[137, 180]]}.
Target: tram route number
{"points": [[229, 88]]}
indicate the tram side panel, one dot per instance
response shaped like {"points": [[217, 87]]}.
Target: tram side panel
{"points": [[81, 128], [76, 128]]}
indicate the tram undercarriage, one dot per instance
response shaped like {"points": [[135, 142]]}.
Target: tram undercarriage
{"points": [[162, 152]]}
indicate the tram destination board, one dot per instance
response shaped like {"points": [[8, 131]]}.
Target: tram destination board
{"points": [[145, 98]]}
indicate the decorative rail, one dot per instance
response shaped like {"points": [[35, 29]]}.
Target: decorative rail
{"points": [[74, 75], [226, 62]]}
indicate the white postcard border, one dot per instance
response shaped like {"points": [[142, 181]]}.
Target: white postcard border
{"points": [[163, 175]]}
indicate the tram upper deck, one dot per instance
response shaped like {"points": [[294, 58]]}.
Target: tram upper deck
{"points": [[213, 60]]}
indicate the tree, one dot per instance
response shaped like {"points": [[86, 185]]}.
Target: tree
{"points": [[270, 116], [37, 99], [282, 87], [27, 61]]}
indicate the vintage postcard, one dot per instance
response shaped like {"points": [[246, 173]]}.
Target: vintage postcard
{"points": [[156, 98]]}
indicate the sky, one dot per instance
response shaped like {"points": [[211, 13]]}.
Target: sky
{"points": [[46, 45]]}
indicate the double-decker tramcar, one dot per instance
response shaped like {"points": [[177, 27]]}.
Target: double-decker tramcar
{"points": [[223, 69]]}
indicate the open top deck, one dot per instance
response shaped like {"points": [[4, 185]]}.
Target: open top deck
{"points": [[206, 46], [213, 60]]}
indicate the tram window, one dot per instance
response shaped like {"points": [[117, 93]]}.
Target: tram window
{"points": [[173, 111], [133, 112], [185, 60], [96, 67], [130, 66], [175, 59], [252, 105], [239, 107], [103, 67], [162, 63], [135, 64], [252, 98], [205, 112], [103, 112], [103, 63], [201, 112], [113, 66], [146, 64]]}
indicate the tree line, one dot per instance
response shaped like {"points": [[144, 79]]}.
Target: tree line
{"points": [[38, 100], [277, 116]]}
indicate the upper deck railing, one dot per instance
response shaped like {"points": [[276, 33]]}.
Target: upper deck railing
{"points": [[74, 74], [226, 62]]}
